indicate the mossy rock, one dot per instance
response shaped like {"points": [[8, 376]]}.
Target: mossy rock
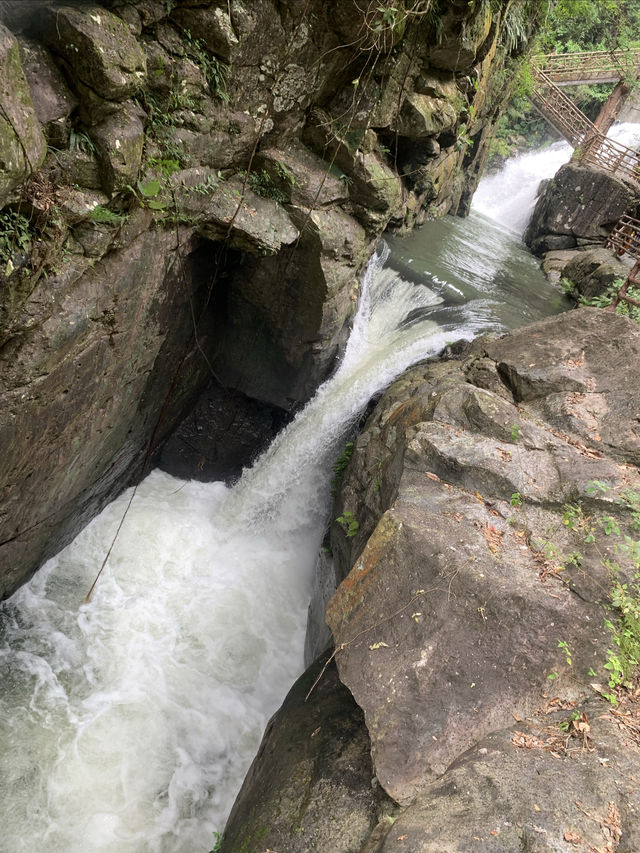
{"points": [[22, 143], [99, 47]]}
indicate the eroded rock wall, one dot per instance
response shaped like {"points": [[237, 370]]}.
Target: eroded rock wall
{"points": [[275, 141]]}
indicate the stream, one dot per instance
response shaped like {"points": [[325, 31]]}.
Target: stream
{"points": [[127, 724]]}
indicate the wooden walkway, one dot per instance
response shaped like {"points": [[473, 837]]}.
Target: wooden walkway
{"points": [[552, 71], [625, 237], [598, 66], [593, 148]]}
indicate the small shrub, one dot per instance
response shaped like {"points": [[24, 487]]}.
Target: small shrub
{"points": [[349, 523]]}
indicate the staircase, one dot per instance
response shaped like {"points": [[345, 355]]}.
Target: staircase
{"points": [[593, 148]]}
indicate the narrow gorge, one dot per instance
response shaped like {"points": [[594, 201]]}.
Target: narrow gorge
{"points": [[284, 398]]}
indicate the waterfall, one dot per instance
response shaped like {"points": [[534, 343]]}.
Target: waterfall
{"points": [[509, 196], [127, 724]]}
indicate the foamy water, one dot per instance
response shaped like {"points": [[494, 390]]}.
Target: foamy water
{"points": [[128, 724], [509, 196]]}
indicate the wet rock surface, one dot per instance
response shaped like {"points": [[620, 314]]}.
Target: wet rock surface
{"points": [[577, 207], [310, 786], [223, 433]]}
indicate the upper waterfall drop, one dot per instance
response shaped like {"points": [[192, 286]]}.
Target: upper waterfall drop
{"points": [[509, 196]]}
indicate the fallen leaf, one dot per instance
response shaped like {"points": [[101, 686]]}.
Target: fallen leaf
{"points": [[379, 645], [572, 837]]}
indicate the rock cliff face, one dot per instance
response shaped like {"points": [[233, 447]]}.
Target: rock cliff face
{"points": [[491, 491], [189, 191]]}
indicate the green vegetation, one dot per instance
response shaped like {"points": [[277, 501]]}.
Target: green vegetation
{"points": [[604, 300], [339, 468], [215, 72], [102, 215], [262, 185], [349, 523], [16, 235], [568, 26], [217, 837], [624, 573]]}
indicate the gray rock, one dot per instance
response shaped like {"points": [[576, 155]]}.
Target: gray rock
{"points": [[542, 786], [301, 177], [223, 433], [53, 101], [97, 351], [287, 316], [310, 786], [594, 271], [450, 622], [212, 26], [230, 209], [577, 203], [119, 142], [99, 47], [423, 116]]}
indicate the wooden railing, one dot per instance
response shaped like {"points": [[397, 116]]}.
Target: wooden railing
{"points": [[592, 146], [625, 237], [566, 69], [560, 110]]}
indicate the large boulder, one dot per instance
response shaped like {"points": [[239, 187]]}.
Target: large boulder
{"points": [[286, 316], [52, 99], [98, 47], [560, 782], [578, 206], [97, 348], [594, 271], [310, 786]]}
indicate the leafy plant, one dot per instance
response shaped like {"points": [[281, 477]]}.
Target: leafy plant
{"points": [[215, 72], [16, 235], [516, 499], [105, 216], [262, 185], [564, 646], [349, 523]]}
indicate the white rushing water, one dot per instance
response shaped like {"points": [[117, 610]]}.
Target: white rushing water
{"points": [[127, 725], [509, 196]]}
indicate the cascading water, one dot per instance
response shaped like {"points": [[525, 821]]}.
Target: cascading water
{"points": [[127, 725], [508, 197]]}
